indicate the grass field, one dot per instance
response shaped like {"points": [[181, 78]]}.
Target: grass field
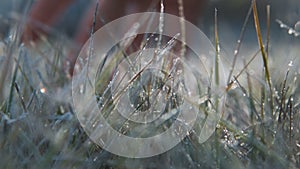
{"points": [[259, 126]]}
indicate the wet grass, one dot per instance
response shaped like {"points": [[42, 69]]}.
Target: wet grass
{"points": [[259, 127]]}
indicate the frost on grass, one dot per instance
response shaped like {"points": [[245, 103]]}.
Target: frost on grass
{"points": [[38, 126], [290, 30], [148, 95]]}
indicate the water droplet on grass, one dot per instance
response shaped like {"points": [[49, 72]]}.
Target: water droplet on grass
{"points": [[43, 90], [95, 159], [281, 25], [290, 64], [81, 89], [235, 52]]}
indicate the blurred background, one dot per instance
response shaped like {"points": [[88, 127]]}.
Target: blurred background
{"points": [[231, 15]]}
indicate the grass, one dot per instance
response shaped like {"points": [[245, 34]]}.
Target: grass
{"points": [[259, 127]]}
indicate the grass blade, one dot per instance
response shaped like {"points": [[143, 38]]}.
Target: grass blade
{"points": [[263, 53], [239, 43]]}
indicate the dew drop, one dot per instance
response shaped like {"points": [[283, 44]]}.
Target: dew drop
{"points": [[281, 25], [290, 64], [95, 159], [218, 48], [101, 100], [81, 89], [233, 86], [43, 90], [291, 31], [235, 52]]}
